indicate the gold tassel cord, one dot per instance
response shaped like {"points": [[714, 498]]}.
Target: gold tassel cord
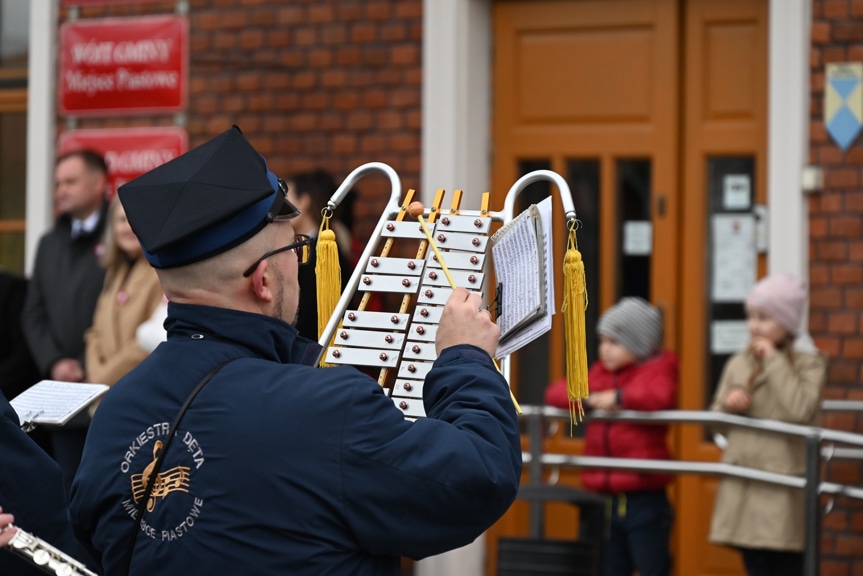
{"points": [[574, 306], [328, 275]]}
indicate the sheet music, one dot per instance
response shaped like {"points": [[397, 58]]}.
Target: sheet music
{"points": [[517, 263], [543, 324], [54, 402]]}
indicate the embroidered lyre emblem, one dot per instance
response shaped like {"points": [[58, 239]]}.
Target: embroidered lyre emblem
{"points": [[175, 479]]}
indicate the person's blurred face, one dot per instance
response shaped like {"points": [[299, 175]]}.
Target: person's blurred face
{"points": [[614, 355], [77, 189], [763, 326], [123, 235], [304, 223]]}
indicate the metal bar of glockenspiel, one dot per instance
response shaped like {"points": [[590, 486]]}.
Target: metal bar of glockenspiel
{"points": [[392, 209]]}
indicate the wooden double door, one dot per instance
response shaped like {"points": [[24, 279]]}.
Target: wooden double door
{"points": [[655, 112]]}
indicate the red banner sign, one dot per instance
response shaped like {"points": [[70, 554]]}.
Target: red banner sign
{"points": [[123, 65], [91, 2], [129, 152]]}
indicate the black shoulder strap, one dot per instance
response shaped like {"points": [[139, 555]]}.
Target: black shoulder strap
{"points": [[157, 467]]}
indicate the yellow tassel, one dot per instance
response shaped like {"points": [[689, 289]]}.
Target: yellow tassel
{"points": [[328, 275], [574, 305]]}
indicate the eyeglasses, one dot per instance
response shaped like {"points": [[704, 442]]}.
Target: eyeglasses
{"points": [[282, 210], [300, 247]]}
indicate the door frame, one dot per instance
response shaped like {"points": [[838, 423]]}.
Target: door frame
{"points": [[457, 106], [41, 124]]}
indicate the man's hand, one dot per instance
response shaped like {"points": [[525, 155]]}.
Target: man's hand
{"points": [[465, 321], [605, 400], [67, 370], [737, 400], [7, 531]]}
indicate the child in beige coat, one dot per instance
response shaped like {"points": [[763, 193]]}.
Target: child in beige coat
{"points": [[775, 380]]}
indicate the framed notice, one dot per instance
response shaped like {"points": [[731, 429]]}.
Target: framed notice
{"points": [[129, 152], [123, 65], [734, 257]]}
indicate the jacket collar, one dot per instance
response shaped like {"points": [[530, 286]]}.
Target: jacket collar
{"points": [[63, 224], [662, 358], [262, 336]]}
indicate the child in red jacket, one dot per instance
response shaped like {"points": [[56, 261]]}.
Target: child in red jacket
{"points": [[632, 373]]}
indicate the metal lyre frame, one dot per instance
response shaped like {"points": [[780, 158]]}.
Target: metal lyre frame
{"points": [[396, 211]]}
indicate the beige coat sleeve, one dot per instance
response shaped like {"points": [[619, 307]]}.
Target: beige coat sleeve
{"points": [[793, 383], [114, 367], [94, 336], [730, 378]]}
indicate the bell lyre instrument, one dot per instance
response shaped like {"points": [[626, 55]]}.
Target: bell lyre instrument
{"points": [[400, 343], [41, 554]]}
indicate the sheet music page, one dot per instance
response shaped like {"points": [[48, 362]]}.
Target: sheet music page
{"points": [[54, 402], [543, 324], [516, 265]]}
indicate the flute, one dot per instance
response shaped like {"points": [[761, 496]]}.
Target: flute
{"points": [[50, 559]]}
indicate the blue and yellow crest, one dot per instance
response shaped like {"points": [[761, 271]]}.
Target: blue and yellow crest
{"points": [[843, 102]]}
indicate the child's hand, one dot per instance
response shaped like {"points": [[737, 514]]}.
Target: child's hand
{"points": [[605, 400], [737, 400], [762, 348]]}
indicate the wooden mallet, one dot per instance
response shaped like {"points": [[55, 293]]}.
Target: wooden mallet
{"points": [[417, 209]]}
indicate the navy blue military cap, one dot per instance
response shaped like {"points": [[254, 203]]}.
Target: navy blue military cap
{"points": [[204, 202]]}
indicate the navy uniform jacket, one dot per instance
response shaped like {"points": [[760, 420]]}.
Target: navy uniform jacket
{"points": [[280, 468], [31, 488]]}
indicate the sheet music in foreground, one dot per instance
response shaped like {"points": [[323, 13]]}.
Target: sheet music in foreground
{"points": [[519, 265], [53, 402], [541, 325]]}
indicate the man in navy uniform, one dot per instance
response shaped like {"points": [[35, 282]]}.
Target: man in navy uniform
{"points": [[278, 467]]}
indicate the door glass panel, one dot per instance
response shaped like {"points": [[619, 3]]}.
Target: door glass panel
{"points": [[14, 33], [13, 162], [12, 252], [532, 366], [634, 231], [583, 179], [732, 262]]}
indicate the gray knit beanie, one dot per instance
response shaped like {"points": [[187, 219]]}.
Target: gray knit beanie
{"points": [[634, 323]]}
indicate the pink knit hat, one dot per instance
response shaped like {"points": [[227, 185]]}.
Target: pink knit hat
{"points": [[782, 297]]}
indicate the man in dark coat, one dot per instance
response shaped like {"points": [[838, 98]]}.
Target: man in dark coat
{"points": [[17, 369], [66, 282], [278, 467]]}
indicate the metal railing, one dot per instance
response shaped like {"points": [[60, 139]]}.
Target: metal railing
{"points": [[842, 405], [810, 483]]}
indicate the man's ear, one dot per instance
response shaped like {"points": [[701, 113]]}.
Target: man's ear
{"points": [[100, 183], [260, 283]]}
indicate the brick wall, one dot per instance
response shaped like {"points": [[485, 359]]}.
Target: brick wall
{"points": [[836, 272], [312, 83]]}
